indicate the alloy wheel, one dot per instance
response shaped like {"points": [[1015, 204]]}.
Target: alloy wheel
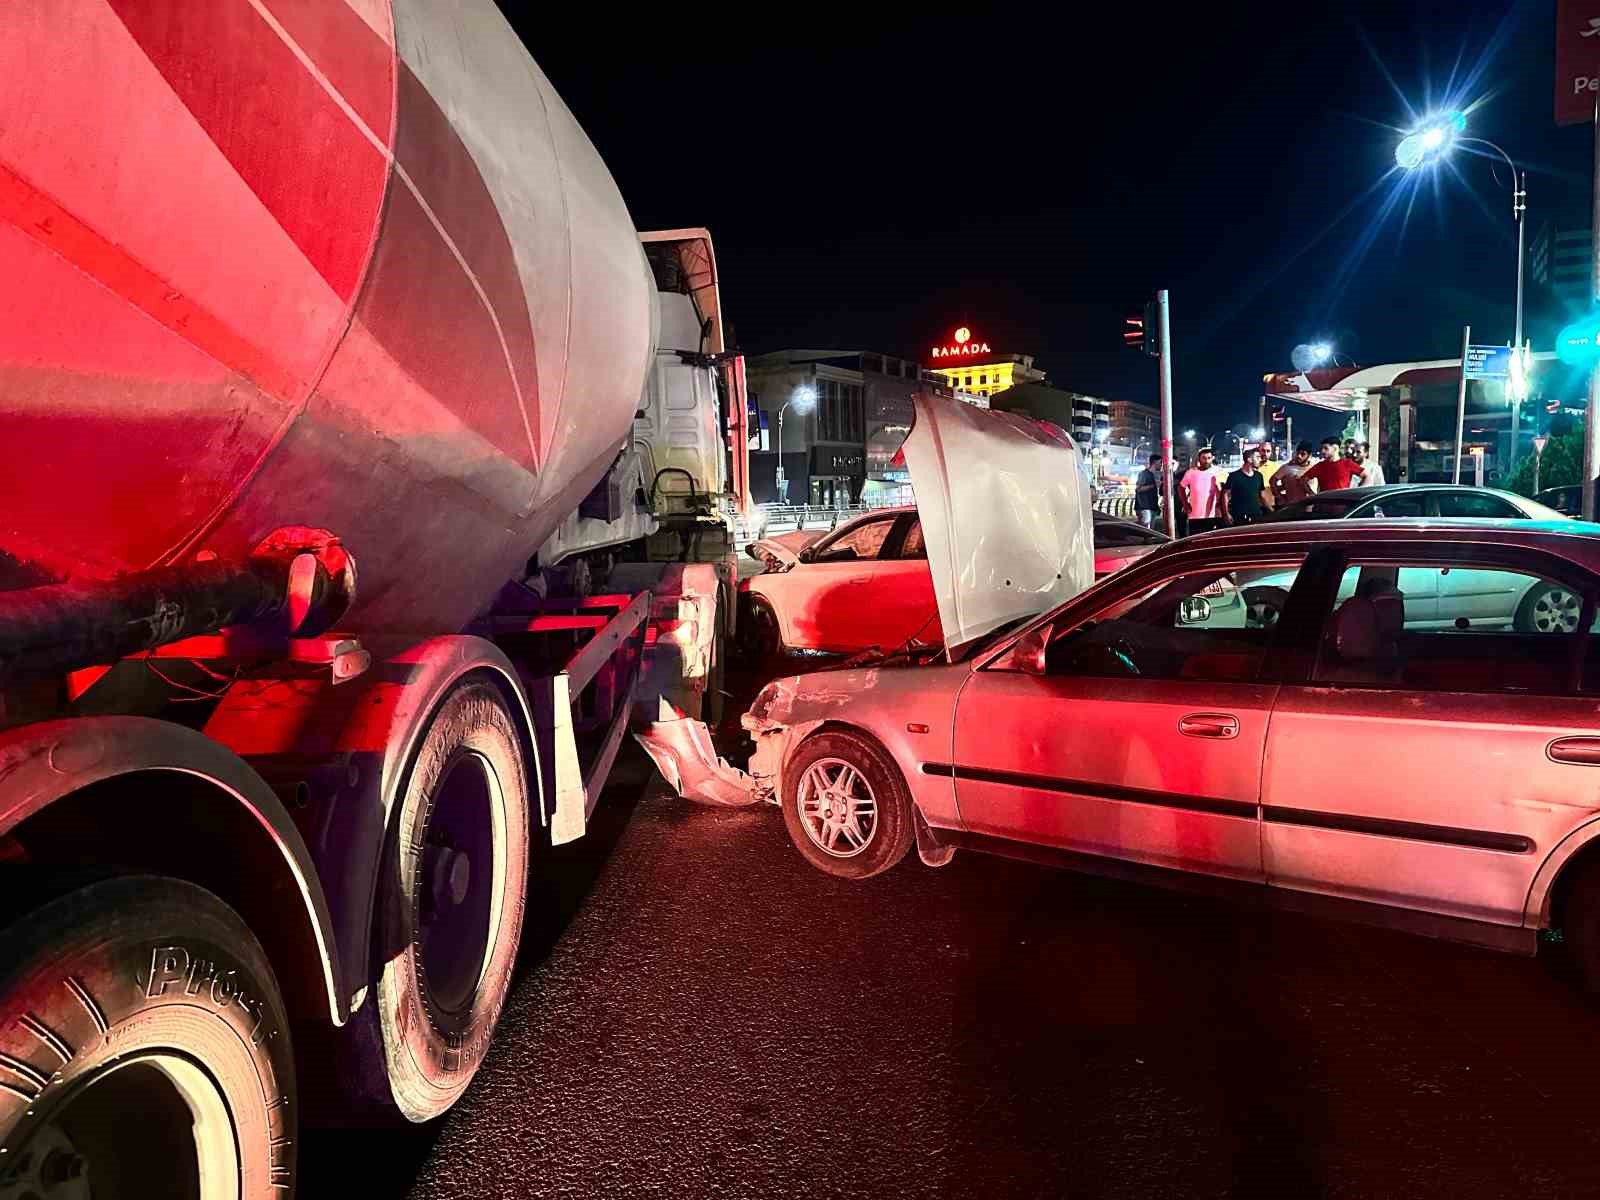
{"points": [[837, 808], [1556, 610]]}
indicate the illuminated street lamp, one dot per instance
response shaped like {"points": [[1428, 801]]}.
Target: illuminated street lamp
{"points": [[804, 400], [1429, 143], [1322, 352]]}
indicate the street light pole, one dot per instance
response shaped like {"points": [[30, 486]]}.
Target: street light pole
{"points": [[783, 479], [1519, 211], [806, 398], [1164, 319], [1461, 401], [1430, 142]]}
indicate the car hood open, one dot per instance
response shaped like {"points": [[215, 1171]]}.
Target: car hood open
{"points": [[785, 548], [1005, 511]]}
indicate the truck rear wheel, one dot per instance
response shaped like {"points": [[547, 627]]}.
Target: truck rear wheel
{"points": [[144, 1049], [449, 910]]}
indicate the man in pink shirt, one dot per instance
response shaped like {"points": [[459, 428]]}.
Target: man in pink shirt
{"points": [[1202, 494]]}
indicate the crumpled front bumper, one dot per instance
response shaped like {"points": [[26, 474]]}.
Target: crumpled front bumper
{"points": [[686, 756]]}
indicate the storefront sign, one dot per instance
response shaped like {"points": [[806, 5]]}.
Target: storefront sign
{"points": [[962, 345], [825, 460], [1577, 60]]}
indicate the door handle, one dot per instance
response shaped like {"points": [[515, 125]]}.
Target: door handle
{"points": [[1209, 725], [1582, 751]]}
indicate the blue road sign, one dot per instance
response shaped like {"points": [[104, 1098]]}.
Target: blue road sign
{"points": [[1488, 362]]}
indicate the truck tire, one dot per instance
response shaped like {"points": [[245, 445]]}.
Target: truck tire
{"points": [[144, 1049], [845, 805], [448, 915]]}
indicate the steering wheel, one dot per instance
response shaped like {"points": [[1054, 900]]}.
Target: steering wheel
{"points": [[1115, 657]]}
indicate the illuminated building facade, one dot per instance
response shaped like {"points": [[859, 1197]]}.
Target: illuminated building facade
{"points": [[967, 362], [1133, 423], [860, 415]]}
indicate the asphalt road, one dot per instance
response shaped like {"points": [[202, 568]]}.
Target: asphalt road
{"points": [[699, 1013]]}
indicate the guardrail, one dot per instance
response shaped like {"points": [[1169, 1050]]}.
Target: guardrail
{"points": [[786, 518], [1115, 506]]}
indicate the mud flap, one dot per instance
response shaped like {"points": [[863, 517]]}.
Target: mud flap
{"points": [[933, 850], [682, 750]]}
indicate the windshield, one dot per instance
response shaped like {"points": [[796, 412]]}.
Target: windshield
{"points": [[989, 639], [1540, 512]]}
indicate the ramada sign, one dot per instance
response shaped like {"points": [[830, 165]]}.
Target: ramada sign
{"points": [[962, 346]]}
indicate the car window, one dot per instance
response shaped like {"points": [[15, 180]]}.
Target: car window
{"points": [[1474, 504], [862, 542], [1211, 625], [1315, 510], [1564, 500], [912, 545], [1405, 504], [1458, 627]]}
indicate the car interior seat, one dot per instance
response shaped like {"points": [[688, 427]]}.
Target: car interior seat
{"points": [[1364, 641]]}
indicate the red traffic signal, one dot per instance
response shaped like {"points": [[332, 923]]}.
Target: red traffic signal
{"points": [[1142, 330], [1133, 332]]}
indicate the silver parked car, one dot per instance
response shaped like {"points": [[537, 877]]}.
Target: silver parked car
{"points": [[1442, 596], [1382, 748]]}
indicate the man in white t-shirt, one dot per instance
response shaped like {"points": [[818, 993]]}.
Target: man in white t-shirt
{"points": [[1202, 494], [1371, 469]]}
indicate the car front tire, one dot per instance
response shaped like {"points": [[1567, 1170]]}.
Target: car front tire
{"points": [[845, 805]]}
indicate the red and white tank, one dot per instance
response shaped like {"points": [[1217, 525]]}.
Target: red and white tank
{"points": [[347, 264]]}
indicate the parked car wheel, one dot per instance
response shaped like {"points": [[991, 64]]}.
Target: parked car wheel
{"points": [[145, 1049], [1549, 608], [1263, 606], [760, 634], [846, 808]]}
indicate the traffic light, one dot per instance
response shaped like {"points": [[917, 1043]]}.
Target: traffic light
{"points": [[1142, 331]]}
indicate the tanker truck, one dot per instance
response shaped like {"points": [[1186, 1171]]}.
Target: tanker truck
{"points": [[362, 469]]}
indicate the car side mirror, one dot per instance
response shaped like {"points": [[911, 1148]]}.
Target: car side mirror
{"points": [[1032, 650]]}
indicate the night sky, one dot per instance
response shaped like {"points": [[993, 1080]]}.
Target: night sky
{"points": [[873, 183]]}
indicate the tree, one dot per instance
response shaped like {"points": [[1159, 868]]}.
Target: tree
{"points": [[1562, 465]]}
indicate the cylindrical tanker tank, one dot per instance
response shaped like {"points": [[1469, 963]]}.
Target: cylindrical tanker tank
{"points": [[349, 265]]}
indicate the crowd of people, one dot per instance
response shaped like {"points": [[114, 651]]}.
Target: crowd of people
{"points": [[1208, 496]]}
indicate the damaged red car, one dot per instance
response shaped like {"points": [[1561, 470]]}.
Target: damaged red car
{"points": [[867, 585]]}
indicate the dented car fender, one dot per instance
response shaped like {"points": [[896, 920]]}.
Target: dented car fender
{"points": [[911, 717]]}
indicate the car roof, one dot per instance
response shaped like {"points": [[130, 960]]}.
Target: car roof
{"points": [[1356, 495], [1576, 540]]}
